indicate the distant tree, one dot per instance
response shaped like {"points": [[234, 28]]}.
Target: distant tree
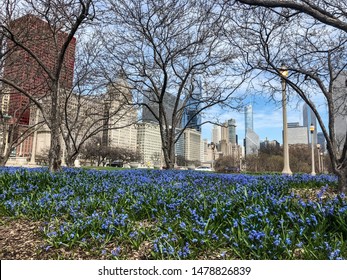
{"points": [[300, 158], [271, 160], [181, 161], [163, 48], [126, 155], [93, 150], [225, 163]]}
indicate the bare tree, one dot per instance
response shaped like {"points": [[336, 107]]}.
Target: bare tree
{"points": [[162, 48], [94, 106], [43, 37], [330, 12], [13, 132], [315, 56]]}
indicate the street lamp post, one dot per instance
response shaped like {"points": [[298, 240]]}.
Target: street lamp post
{"points": [[33, 150], [6, 130], [213, 146], [322, 160], [286, 168], [319, 159], [313, 173]]}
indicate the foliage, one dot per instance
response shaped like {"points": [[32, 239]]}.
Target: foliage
{"points": [[271, 160], [226, 163], [180, 214], [103, 154]]}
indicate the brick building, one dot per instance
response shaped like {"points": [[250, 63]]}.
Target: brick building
{"points": [[32, 75]]}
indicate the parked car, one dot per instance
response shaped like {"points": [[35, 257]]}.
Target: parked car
{"points": [[203, 168], [116, 163]]}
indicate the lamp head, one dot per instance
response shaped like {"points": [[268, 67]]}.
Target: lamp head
{"points": [[284, 70], [312, 128]]}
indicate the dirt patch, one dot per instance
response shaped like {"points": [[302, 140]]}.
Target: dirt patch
{"points": [[315, 194], [20, 240]]}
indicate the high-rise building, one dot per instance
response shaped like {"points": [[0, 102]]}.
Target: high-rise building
{"points": [[149, 143], [252, 142], [269, 143], [340, 105], [120, 130], [192, 144], [191, 117], [232, 131], [309, 119], [321, 141], [152, 103], [224, 132], [27, 73], [204, 150], [37, 36], [248, 117], [293, 124], [296, 134], [216, 134]]}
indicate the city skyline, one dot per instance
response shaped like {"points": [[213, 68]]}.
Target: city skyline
{"points": [[267, 119]]}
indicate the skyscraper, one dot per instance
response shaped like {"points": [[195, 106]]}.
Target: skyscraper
{"points": [[119, 128], [309, 119], [151, 100], [232, 131], [252, 142], [321, 141], [248, 117], [340, 105], [37, 36], [31, 75], [216, 134], [297, 134], [191, 112]]}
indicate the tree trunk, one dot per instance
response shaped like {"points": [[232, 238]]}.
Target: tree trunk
{"points": [[70, 160], [54, 152], [54, 163], [3, 161], [169, 148], [342, 180], [169, 157]]}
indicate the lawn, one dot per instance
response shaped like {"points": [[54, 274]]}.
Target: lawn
{"points": [[164, 214]]}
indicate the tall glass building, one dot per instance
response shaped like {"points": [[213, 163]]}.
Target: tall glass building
{"points": [[191, 118], [252, 142], [232, 131], [308, 119], [321, 141], [248, 118]]}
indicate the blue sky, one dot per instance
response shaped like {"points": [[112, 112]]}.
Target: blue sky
{"points": [[267, 118]]}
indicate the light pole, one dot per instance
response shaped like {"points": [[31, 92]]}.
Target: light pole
{"points": [[322, 160], [319, 159], [313, 173], [286, 168], [213, 146], [20, 145], [6, 130], [33, 150]]}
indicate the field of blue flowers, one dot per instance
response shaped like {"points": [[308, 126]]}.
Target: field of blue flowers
{"points": [[179, 214]]}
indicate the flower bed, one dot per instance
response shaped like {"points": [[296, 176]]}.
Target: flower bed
{"points": [[179, 214]]}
